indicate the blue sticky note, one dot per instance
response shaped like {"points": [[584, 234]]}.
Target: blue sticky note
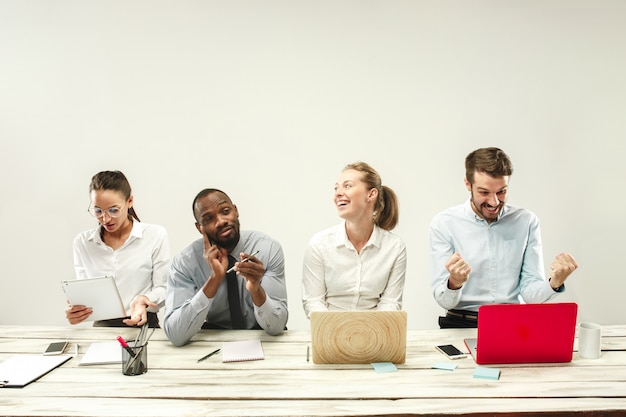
{"points": [[384, 367], [487, 373], [445, 366]]}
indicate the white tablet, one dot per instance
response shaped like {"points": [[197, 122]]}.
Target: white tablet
{"points": [[100, 294]]}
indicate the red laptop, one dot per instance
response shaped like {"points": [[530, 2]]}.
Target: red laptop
{"points": [[524, 333]]}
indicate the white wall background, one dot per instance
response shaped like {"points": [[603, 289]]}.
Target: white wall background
{"points": [[268, 100]]}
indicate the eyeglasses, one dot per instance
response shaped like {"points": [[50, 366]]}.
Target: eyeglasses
{"points": [[113, 212]]}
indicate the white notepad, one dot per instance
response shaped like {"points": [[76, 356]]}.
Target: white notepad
{"points": [[20, 370], [100, 353], [244, 350]]}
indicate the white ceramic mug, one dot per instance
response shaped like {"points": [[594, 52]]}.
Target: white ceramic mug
{"points": [[589, 335]]}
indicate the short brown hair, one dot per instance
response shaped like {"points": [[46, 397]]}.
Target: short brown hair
{"points": [[492, 161]]}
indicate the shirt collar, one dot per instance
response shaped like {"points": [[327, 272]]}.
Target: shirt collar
{"points": [[238, 248], [136, 231], [341, 237]]}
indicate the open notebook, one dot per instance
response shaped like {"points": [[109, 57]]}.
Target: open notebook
{"points": [[524, 333], [358, 337]]}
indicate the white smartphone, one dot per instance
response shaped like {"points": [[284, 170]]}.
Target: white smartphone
{"points": [[451, 351], [56, 348]]}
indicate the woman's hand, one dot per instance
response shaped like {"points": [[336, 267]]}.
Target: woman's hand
{"points": [[138, 311], [77, 314]]}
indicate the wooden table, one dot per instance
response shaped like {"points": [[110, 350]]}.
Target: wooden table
{"points": [[286, 384]]}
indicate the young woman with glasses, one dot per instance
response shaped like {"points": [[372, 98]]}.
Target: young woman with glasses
{"points": [[136, 254]]}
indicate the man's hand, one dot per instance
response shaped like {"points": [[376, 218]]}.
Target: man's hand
{"points": [[217, 259], [459, 271], [252, 270], [561, 267]]}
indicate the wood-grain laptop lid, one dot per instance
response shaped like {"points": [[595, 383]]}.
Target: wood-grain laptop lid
{"points": [[525, 333], [358, 337]]}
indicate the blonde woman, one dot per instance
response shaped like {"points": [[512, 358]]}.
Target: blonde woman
{"points": [[358, 264]]}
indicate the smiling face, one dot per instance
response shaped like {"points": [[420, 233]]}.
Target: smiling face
{"points": [[111, 201], [217, 217], [488, 195], [352, 197]]}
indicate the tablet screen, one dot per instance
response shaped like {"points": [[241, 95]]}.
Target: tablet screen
{"points": [[100, 294]]}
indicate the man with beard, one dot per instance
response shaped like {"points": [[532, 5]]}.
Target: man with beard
{"points": [[486, 251], [228, 279]]}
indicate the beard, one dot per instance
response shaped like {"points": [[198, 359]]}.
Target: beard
{"points": [[229, 242], [483, 211]]}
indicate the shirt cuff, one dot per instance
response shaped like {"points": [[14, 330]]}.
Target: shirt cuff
{"points": [[200, 301], [264, 308]]}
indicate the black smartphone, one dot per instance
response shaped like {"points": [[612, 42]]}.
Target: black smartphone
{"points": [[451, 351], [56, 348]]}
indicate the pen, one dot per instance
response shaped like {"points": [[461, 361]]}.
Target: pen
{"points": [[209, 355], [140, 335], [245, 260], [125, 346]]}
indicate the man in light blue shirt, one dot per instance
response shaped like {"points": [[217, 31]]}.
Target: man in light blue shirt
{"points": [[486, 251], [228, 279]]}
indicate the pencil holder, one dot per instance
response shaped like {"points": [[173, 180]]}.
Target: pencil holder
{"points": [[135, 359]]}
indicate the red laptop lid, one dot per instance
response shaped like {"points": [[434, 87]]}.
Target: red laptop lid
{"points": [[526, 333]]}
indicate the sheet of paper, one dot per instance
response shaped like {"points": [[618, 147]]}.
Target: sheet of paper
{"points": [[100, 353]]}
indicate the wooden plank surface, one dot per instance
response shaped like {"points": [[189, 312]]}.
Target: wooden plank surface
{"points": [[69, 406], [285, 383]]}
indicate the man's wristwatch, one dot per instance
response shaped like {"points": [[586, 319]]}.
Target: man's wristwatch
{"points": [[557, 289]]}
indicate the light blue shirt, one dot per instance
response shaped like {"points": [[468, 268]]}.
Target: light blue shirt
{"points": [[505, 256], [187, 307]]}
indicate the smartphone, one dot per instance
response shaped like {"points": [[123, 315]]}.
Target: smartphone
{"points": [[451, 351], [56, 348]]}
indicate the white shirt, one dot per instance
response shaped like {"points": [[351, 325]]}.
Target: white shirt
{"points": [[139, 266], [336, 277]]}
